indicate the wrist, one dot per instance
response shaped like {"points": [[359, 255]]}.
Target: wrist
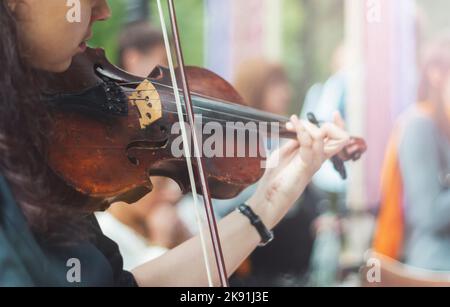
{"points": [[265, 234], [273, 204], [260, 207], [307, 172]]}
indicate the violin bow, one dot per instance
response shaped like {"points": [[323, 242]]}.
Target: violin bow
{"points": [[209, 210]]}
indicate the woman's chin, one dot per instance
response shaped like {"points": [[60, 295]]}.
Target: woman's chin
{"points": [[60, 67], [54, 67]]}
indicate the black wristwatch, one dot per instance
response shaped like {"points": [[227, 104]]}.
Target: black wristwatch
{"points": [[265, 234]]}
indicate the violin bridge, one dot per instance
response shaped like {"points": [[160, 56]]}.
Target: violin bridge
{"points": [[146, 99]]}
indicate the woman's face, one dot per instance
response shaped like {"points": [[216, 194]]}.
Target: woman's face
{"points": [[48, 34]]}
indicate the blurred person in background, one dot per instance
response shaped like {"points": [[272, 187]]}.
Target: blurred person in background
{"points": [[414, 219], [265, 85], [151, 226], [324, 100], [141, 48]]}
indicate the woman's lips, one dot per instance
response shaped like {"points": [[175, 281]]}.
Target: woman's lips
{"points": [[82, 47]]}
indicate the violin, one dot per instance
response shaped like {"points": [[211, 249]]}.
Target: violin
{"points": [[112, 130]]}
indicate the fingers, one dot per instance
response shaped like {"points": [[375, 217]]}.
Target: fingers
{"points": [[307, 133], [337, 139], [315, 132], [329, 139], [333, 132], [290, 126], [303, 137]]}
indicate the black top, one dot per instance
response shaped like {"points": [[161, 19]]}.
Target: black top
{"points": [[25, 262]]}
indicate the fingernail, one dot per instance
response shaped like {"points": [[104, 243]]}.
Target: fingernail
{"points": [[289, 126]]}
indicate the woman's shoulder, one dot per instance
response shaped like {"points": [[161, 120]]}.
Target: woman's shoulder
{"points": [[421, 138], [21, 259], [4, 189], [9, 211]]}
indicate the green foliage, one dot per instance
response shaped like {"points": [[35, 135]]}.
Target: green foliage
{"points": [[190, 23], [191, 26], [106, 33]]}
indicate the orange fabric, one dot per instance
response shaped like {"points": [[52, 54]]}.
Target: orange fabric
{"points": [[388, 238]]}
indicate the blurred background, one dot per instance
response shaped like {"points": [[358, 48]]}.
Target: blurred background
{"points": [[363, 58]]}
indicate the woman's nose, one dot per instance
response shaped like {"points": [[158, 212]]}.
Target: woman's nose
{"points": [[101, 11]]}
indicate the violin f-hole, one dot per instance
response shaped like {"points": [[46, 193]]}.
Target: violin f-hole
{"points": [[144, 145]]}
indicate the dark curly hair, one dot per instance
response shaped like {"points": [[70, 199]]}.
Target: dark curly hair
{"points": [[52, 209]]}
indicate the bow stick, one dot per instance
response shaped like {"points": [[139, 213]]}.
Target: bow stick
{"points": [[212, 224]]}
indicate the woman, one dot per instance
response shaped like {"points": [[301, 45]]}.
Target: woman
{"points": [[37, 36], [414, 221]]}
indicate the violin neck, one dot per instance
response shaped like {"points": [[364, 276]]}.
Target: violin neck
{"points": [[226, 112]]}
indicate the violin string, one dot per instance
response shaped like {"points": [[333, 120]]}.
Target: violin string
{"points": [[172, 93], [198, 96], [224, 124], [263, 133], [279, 119], [170, 88]]}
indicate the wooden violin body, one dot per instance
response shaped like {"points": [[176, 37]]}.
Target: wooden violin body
{"points": [[104, 142], [112, 130]]}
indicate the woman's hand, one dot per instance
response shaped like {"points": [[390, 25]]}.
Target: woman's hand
{"points": [[290, 169]]}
